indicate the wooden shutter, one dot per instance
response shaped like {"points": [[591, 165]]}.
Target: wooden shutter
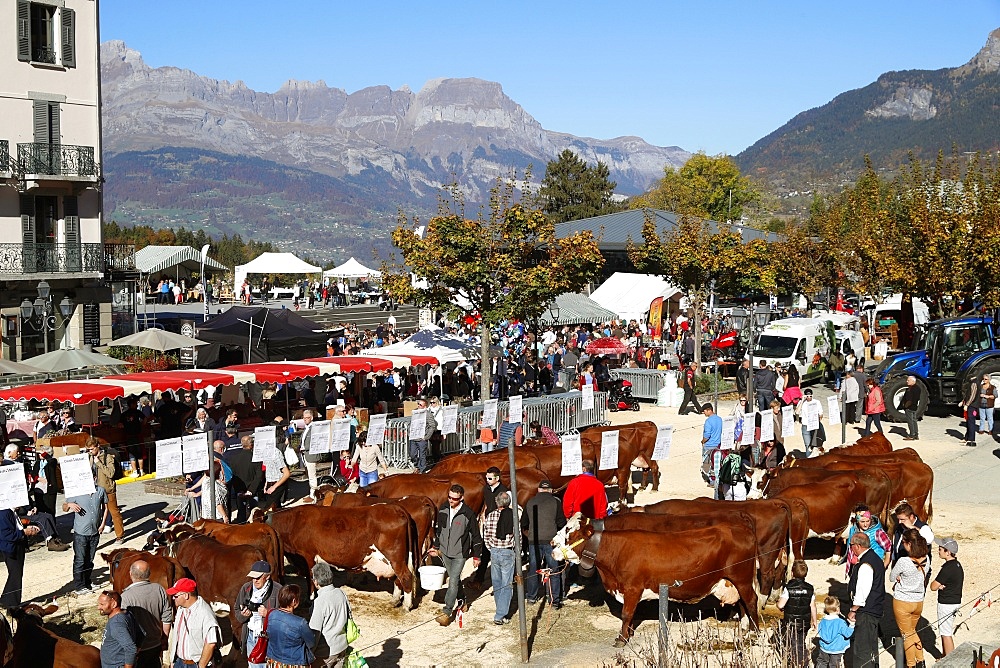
{"points": [[71, 215], [67, 20], [40, 115], [28, 219], [23, 30]]}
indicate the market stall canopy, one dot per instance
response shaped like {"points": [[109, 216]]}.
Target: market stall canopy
{"points": [[352, 269], [77, 391], [12, 367], [283, 372], [349, 363], [606, 345], [437, 345], [576, 309], [68, 359], [629, 295], [157, 339], [272, 263], [278, 334], [194, 379], [153, 259]]}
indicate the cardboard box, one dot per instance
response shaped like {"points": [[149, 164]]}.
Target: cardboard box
{"points": [[409, 407], [65, 450]]}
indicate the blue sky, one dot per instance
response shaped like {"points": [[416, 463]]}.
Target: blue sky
{"points": [[712, 76]]}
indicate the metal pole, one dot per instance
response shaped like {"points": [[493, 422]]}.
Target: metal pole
{"points": [[211, 477], [716, 402], [750, 321], [843, 417], [522, 621], [900, 653], [663, 636]]}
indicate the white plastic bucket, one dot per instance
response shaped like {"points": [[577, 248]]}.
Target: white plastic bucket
{"points": [[431, 577]]}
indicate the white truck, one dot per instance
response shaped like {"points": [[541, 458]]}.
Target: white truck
{"points": [[804, 342]]}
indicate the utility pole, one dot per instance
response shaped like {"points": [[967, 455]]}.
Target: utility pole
{"points": [[522, 621]]}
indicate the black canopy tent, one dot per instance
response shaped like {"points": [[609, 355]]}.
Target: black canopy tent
{"points": [[268, 335]]}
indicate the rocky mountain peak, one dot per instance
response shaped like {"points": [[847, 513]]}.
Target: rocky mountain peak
{"points": [[988, 58]]}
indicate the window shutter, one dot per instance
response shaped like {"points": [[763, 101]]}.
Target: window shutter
{"points": [[71, 214], [54, 132], [41, 121], [28, 219], [67, 18], [23, 31]]}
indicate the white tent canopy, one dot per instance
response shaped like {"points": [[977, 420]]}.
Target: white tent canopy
{"points": [[352, 269], [272, 263], [431, 340], [629, 295]]}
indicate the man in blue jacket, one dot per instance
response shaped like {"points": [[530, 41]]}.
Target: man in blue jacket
{"points": [[12, 542]]}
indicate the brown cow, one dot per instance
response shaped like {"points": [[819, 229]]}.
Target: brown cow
{"points": [[635, 446], [220, 570], [873, 444], [778, 523], [830, 504], [878, 487], [478, 463], [34, 646], [257, 535], [421, 510], [164, 571], [719, 561], [432, 486], [377, 538]]}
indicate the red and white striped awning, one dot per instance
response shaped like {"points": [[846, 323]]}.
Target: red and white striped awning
{"points": [[185, 379], [348, 363], [282, 372], [402, 360], [77, 391]]}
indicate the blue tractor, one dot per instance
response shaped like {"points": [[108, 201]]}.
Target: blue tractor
{"points": [[951, 353]]}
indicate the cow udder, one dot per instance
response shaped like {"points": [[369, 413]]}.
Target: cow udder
{"points": [[726, 592], [376, 564]]}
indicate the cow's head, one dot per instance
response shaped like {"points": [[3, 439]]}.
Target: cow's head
{"points": [[757, 484], [323, 495], [31, 612], [258, 515], [577, 542]]}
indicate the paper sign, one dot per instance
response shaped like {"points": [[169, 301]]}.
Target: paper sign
{"points": [[78, 477], [664, 437], [490, 414], [264, 446], [572, 455], [418, 424], [787, 421], [169, 459], [749, 426], [609, 450], [449, 420], [340, 431], [728, 432], [376, 429], [195, 450], [834, 404], [13, 487], [812, 415], [766, 426], [319, 437], [588, 397], [515, 410]]}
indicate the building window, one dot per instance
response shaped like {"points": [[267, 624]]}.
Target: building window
{"points": [[46, 34]]}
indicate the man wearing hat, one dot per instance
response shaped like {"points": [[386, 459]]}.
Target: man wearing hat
{"points": [[812, 438], [197, 635], [542, 519], [253, 601], [948, 585]]}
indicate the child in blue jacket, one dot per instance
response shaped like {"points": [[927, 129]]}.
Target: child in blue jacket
{"points": [[833, 633]]}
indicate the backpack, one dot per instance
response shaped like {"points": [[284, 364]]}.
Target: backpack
{"points": [[731, 469], [119, 471]]}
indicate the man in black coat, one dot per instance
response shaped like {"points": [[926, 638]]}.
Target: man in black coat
{"points": [[543, 517], [248, 478]]}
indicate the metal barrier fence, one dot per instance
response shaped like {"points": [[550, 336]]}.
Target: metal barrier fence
{"points": [[646, 383], [562, 413]]}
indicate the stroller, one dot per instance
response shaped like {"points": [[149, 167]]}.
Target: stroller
{"points": [[620, 396]]}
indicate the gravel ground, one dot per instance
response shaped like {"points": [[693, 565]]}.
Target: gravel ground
{"points": [[966, 506]]}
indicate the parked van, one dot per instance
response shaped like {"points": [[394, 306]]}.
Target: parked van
{"points": [[804, 342]]}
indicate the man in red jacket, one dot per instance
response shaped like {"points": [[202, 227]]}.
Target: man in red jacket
{"points": [[585, 494]]}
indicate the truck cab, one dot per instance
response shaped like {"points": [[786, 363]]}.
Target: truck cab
{"points": [[804, 342], [952, 352]]}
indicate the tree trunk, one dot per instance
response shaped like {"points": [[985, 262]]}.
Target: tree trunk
{"points": [[484, 355], [696, 325]]}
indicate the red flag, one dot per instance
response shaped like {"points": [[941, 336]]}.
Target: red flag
{"points": [[725, 340]]}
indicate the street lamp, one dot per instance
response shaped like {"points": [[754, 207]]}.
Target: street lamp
{"points": [[42, 308]]}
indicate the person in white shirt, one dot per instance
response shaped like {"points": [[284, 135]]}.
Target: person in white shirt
{"points": [[329, 618], [197, 633]]}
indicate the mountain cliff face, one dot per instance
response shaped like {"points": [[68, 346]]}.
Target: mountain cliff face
{"points": [[918, 111], [452, 128]]}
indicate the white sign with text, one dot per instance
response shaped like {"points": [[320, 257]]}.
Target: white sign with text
{"points": [[664, 438], [13, 487], [609, 450], [169, 458], [376, 429], [78, 477], [572, 455], [449, 420]]}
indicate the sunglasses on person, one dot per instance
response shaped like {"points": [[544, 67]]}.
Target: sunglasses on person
{"points": [[454, 498]]}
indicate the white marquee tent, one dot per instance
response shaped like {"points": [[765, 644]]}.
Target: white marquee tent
{"points": [[431, 340], [629, 295], [272, 263], [352, 269]]}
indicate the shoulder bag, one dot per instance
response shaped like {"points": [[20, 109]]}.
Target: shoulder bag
{"points": [[259, 652]]}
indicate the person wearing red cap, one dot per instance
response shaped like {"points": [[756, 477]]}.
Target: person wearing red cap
{"points": [[197, 635]]}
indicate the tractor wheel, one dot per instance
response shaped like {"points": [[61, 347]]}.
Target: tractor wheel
{"points": [[893, 392]]}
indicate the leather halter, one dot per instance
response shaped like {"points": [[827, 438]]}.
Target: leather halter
{"points": [[591, 545]]}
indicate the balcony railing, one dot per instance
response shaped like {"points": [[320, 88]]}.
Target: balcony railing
{"points": [[119, 258], [51, 258], [56, 159], [5, 165], [44, 54]]}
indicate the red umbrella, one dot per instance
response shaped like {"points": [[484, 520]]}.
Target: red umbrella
{"points": [[607, 345], [76, 392], [725, 340]]}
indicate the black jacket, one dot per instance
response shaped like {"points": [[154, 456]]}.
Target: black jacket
{"points": [[798, 608], [248, 476], [459, 535], [490, 497], [543, 518]]}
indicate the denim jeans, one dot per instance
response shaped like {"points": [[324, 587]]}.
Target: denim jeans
{"points": [[986, 420], [418, 454], [502, 574], [869, 419], [366, 479], [84, 550], [454, 566], [540, 556]]}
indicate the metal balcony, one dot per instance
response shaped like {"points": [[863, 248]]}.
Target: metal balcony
{"points": [[6, 167], [22, 258], [119, 258], [56, 160]]}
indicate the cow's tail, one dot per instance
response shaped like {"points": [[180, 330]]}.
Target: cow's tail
{"points": [[279, 553], [929, 504]]}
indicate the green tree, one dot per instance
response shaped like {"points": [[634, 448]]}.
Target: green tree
{"points": [[572, 190], [705, 186], [504, 263]]}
